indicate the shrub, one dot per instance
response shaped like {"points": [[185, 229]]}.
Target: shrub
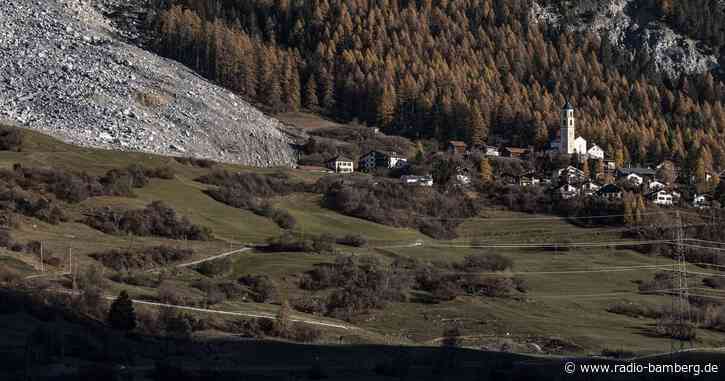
{"points": [[486, 262], [488, 286], [215, 267], [262, 287], [355, 240], [634, 310], [11, 139], [433, 212], [146, 258], [195, 162], [157, 219], [714, 282], [137, 279], [165, 173]]}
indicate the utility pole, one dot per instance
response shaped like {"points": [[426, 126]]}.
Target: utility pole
{"points": [[70, 264], [682, 317], [42, 264]]}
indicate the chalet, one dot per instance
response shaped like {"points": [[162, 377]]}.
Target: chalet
{"points": [[590, 188], [567, 191], [570, 175], [463, 179], [520, 179], [381, 159], [655, 185], [456, 147], [519, 153], [663, 197], [610, 192], [341, 164], [529, 179], [640, 174], [422, 181], [595, 152], [702, 201], [491, 151], [610, 165]]}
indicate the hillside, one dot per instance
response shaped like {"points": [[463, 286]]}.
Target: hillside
{"points": [[66, 70], [420, 286], [644, 79]]}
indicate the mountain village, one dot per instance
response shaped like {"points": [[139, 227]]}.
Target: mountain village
{"points": [[580, 170]]}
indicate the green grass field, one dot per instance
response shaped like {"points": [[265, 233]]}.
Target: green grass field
{"points": [[568, 297]]}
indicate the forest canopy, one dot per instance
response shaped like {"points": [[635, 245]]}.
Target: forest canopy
{"points": [[442, 69]]}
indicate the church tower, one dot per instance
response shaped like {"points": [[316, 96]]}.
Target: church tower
{"points": [[568, 134]]}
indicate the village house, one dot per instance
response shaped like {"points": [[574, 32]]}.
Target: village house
{"points": [[456, 147], [655, 185], [702, 201], [636, 176], [341, 164], [610, 192], [521, 179], [663, 197], [381, 159], [567, 191], [595, 152], [590, 188], [491, 151], [569, 175], [518, 153], [413, 180]]}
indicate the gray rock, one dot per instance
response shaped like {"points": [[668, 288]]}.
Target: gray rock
{"points": [[96, 90], [616, 20]]}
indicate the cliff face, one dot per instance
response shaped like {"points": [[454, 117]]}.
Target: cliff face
{"points": [[632, 31], [66, 69]]}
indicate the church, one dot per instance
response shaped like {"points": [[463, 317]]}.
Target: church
{"points": [[567, 142]]}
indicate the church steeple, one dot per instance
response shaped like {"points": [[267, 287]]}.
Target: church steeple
{"points": [[568, 132]]}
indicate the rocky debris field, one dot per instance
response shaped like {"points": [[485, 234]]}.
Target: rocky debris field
{"points": [[65, 71], [631, 31]]}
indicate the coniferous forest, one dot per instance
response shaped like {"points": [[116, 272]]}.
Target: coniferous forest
{"points": [[443, 69]]}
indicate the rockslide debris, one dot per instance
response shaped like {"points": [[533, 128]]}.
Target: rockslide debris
{"points": [[64, 72]]}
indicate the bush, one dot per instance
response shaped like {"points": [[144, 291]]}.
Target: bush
{"points": [[146, 258], [486, 262], [195, 162], [157, 219], [634, 310], [137, 279], [714, 282], [354, 240], [165, 173], [281, 217], [491, 286], [215, 267], [433, 212], [11, 139], [262, 287]]}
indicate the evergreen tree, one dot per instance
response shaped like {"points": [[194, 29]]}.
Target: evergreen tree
{"points": [[311, 102], [122, 316], [386, 106], [485, 172], [479, 132]]}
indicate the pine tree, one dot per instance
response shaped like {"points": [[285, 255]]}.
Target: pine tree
{"points": [[122, 316], [585, 168], [479, 132], [485, 172], [629, 210], [311, 101], [386, 106], [282, 323]]}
